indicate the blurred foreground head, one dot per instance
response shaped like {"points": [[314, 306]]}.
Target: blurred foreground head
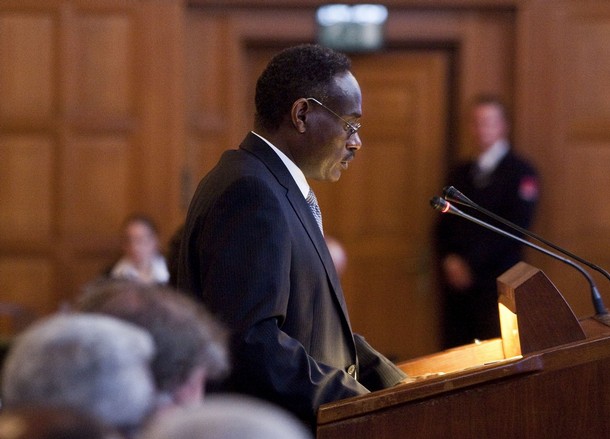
{"points": [[228, 417], [94, 363], [191, 346]]}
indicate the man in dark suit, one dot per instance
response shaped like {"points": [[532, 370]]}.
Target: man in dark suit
{"points": [[472, 257], [254, 252]]}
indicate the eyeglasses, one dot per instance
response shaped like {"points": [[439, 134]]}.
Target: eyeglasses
{"points": [[351, 128]]}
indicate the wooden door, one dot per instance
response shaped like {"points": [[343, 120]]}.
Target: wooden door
{"points": [[379, 210]]}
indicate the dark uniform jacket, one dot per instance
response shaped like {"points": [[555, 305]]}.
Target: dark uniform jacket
{"points": [[510, 191]]}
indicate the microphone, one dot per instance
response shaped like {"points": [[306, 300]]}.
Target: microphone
{"points": [[444, 206], [451, 194]]}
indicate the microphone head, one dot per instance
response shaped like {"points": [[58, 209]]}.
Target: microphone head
{"points": [[452, 194], [448, 191], [439, 203], [444, 206]]}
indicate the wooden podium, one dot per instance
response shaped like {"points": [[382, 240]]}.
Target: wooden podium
{"points": [[548, 376]]}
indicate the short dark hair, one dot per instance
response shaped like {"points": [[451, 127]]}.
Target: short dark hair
{"points": [[142, 218], [491, 99], [301, 71]]}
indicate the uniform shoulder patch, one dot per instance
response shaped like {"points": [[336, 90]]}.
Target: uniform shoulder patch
{"points": [[528, 188]]}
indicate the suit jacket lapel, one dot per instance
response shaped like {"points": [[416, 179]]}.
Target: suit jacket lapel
{"points": [[275, 165]]}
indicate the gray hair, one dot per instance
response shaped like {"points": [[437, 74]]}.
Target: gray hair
{"points": [[186, 335], [228, 417], [95, 363]]}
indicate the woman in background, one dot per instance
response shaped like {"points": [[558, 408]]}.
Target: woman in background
{"points": [[142, 259]]}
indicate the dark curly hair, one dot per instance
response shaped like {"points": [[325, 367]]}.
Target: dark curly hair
{"points": [[297, 72]]}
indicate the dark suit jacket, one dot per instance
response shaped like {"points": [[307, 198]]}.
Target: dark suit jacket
{"points": [[253, 253]]}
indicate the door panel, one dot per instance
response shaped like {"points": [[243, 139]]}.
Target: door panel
{"points": [[379, 209]]}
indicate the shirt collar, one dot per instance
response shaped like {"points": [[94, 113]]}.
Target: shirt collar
{"points": [[294, 170], [488, 161]]}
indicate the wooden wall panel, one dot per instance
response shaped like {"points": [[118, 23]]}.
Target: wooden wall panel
{"points": [[27, 97], [589, 163], [27, 280], [587, 72], [104, 58], [208, 114], [96, 194], [26, 192], [565, 116], [28, 146], [206, 77], [585, 111], [89, 125]]}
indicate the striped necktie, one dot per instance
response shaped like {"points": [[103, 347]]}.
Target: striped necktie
{"points": [[315, 209]]}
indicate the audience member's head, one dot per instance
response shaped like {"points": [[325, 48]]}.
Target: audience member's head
{"points": [[43, 422], [142, 259], [337, 253], [490, 120], [191, 346], [94, 363], [228, 417], [140, 237]]}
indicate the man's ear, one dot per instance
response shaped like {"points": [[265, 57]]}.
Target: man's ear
{"points": [[192, 390], [298, 114]]}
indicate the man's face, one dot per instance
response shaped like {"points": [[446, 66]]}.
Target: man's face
{"points": [[332, 147], [489, 125]]}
